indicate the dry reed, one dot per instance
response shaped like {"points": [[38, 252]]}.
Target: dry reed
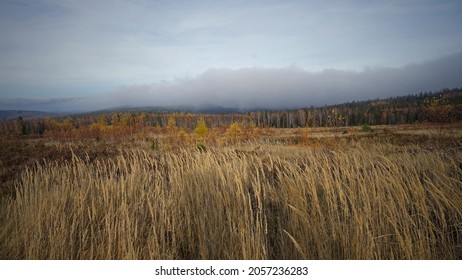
{"points": [[276, 202]]}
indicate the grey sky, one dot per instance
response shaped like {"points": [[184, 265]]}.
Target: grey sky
{"points": [[67, 48], [275, 88]]}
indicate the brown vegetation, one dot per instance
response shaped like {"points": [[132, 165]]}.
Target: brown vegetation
{"points": [[390, 193]]}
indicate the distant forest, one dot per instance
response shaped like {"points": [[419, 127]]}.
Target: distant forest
{"points": [[442, 106]]}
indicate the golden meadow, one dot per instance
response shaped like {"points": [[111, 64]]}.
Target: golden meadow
{"points": [[321, 198]]}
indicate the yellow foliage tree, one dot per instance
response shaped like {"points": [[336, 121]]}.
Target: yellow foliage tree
{"points": [[234, 132], [439, 111], [201, 129], [171, 125]]}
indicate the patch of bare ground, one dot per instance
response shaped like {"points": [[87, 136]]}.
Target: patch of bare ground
{"points": [[18, 154]]}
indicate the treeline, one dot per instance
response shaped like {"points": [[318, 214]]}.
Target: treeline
{"points": [[442, 106], [422, 107]]}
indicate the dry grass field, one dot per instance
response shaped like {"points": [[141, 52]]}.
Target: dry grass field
{"points": [[395, 193]]}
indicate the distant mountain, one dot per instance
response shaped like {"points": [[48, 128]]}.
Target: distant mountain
{"points": [[391, 110], [209, 109], [26, 115], [412, 102]]}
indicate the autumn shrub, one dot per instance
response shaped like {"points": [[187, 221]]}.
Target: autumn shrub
{"points": [[366, 128], [155, 144]]}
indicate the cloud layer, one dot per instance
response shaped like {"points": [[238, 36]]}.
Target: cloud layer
{"points": [[64, 48], [272, 88]]}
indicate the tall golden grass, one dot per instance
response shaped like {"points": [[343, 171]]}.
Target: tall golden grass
{"points": [[274, 202]]}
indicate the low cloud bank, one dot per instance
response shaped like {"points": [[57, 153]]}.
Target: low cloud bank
{"points": [[283, 88]]}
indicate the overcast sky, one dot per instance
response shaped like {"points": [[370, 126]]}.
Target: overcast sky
{"points": [[235, 53]]}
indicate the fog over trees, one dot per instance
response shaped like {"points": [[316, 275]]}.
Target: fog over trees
{"points": [[266, 88]]}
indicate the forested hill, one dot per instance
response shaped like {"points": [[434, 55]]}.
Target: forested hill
{"points": [[394, 110], [442, 106], [23, 114]]}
